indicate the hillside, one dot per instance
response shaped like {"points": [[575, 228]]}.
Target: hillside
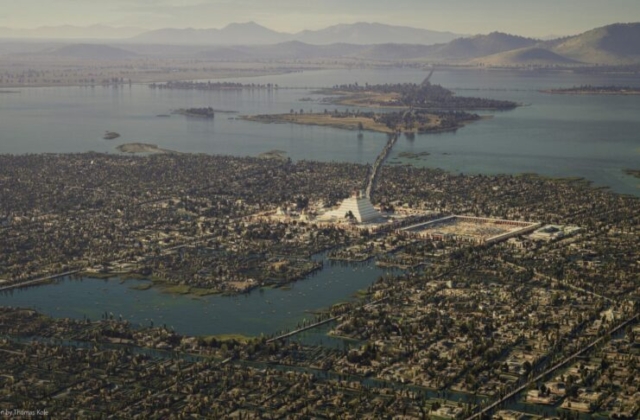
{"points": [[363, 33], [482, 45], [613, 44], [610, 45], [533, 56]]}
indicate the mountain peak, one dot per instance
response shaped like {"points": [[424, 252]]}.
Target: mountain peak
{"points": [[246, 25]]}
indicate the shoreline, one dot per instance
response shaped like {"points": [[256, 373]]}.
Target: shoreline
{"points": [[144, 148], [224, 75], [590, 92], [314, 67]]}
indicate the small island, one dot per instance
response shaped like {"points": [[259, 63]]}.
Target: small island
{"points": [[633, 172], [142, 148], [206, 112], [595, 90], [110, 135]]}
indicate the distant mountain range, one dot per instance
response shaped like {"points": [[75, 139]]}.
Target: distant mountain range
{"points": [[253, 34], [612, 45], [72, 32], [249, 33]]}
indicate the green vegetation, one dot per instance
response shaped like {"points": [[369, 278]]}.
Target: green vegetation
{"points": [[142, 286], [178, 289], [197, 291]]}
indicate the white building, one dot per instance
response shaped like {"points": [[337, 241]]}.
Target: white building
{"points": [[357, 205]]}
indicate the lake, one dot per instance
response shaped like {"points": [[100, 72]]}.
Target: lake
{"points": [[595, 137], [264, 311]]}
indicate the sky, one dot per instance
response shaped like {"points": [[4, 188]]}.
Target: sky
{"points": [[537, 18]]}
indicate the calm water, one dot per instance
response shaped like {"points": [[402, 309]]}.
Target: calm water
{"points": [[265, 311], [589, 136], [595, 137]]}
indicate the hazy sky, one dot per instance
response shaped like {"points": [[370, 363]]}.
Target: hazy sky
{"points": [[523, 17]]}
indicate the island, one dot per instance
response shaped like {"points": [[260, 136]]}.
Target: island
{"points": [[409, 95], [633, 172], [419, 108], [110, 135], [595, 90], [142, 148], [410, 121]]}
